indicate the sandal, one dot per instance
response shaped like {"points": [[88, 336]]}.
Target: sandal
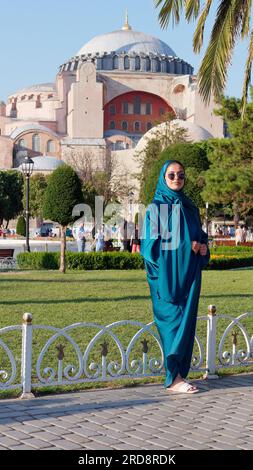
{"points": [[183, 387]]}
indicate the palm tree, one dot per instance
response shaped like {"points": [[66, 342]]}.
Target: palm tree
{"points": [[232, 23]]}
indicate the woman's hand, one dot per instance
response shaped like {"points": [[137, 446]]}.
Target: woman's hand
{"points": [[203, 249], [196, 247]]}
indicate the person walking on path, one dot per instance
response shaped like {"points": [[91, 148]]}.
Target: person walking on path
{"points": [[136, 242], [81, 238], [100, 239], [174, 271], [239, 235]]}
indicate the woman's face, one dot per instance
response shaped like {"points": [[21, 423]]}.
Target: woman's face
{"points": [[174, 176]]}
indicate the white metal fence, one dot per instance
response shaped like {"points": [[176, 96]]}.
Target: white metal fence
{"points": [[128, 349]]}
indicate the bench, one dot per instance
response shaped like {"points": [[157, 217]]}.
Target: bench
{"points": [[6, 258]]}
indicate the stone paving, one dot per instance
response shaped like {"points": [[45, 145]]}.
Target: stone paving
{"points": [[143, 417]]}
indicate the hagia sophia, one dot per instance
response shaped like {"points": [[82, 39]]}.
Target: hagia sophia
{"points": [[107, 98]]}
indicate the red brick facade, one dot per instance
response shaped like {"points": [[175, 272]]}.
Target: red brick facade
{"points": [[134, 112]]}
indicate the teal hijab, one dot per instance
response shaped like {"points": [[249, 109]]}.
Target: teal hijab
{"points": [[171, 223]]}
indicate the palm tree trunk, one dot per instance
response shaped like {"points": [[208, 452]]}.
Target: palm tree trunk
{"points": [[63, 250]]}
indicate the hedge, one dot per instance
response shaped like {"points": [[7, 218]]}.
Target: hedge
{"points": [[231, 249], [38, 260], [229, 262], [116, 260], [81, 261]]}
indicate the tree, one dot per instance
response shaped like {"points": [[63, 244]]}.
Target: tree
{"points": [[149, 158], [163, 136], [38, 185], [193, 156], [229, 178], [107, 180], [21, 226], [63, 192], [231, 24], [229, 181], [11, 193]]}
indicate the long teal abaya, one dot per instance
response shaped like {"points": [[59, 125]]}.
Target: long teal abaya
{"points": [[173, 272]]}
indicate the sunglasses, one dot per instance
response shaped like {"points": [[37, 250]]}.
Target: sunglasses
{"points": [[172, 175]]}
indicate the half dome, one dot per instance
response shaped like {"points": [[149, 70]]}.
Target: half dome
{"points": [[195, 133]]}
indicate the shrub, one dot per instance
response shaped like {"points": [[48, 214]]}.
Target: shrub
{"points": [[38, 260], [104, 260], [21, 226]]}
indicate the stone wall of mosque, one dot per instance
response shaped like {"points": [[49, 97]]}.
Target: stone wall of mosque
{"points": [[85, 105], [180, 92], [6, 152], [30, 105], [63, 85], [205, 117], [37, 143]]}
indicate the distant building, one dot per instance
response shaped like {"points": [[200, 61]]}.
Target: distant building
{"points": [[105, 99]]}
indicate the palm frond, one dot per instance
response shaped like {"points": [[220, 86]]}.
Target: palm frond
{"points": [[213, 70], [247, 76], [199, 31], [244, 6], [192, 8], [171, 9]]}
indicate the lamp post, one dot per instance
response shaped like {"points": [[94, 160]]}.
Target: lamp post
{"points": [[27, 169], [207, 218], [131, 199]]}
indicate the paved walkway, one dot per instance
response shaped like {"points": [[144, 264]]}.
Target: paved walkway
{"points": [[144, 417]]}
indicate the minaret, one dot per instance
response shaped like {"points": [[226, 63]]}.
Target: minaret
{"points": [[126, 26]]}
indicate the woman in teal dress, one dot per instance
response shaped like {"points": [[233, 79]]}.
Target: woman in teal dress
{"points": [[175, 250]]}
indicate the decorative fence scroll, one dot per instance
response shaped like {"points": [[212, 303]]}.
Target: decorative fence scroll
{"points": [[88, 352]]}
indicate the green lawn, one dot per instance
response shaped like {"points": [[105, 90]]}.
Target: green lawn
{"points": [[107, 296]]}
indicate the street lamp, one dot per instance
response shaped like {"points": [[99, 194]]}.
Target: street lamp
{"points": [[207, 219], [131, 199], [27, 169]]}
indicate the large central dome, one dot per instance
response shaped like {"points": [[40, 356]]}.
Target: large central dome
{"points": [[126, 41], [125, 50]]}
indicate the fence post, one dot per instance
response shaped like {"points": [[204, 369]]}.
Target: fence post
{"points": [[211, 344], [26, 360]]}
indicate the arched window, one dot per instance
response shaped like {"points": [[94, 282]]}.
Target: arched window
{"points": [[36, 143], [125, 107], [112, 109], [137, 105], [22, 144], [115, 62], [50, 146], [149, 126], [38, 103], [137, 126], [119, 145], [112, 124], [137, 63], [148, 63], [126, 62], [124, 126], [148, 108]]}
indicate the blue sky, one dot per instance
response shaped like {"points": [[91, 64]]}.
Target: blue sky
{"points": [[36, 37]]}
